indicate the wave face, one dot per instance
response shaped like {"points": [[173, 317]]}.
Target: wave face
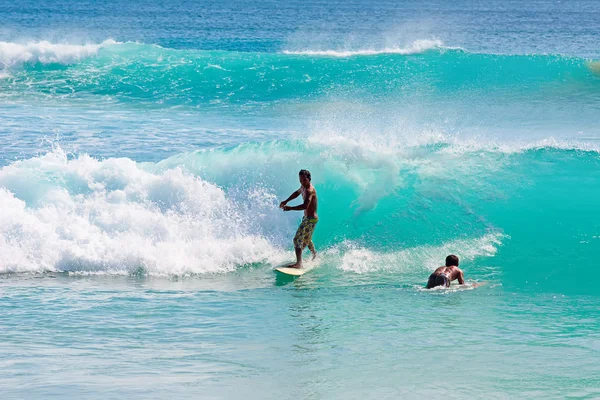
{"points": [[384, 210]]}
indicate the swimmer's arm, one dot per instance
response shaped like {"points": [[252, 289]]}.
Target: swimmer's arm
{"points": [[292, 197], [302, 206], [461, 278]]}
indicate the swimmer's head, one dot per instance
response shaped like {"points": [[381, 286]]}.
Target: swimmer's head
{"points": [[451, 260]]}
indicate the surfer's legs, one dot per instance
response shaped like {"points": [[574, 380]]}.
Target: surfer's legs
{"points": [[303, 238], [311, 247], [298, 264], [300, 233], [300, 242]]}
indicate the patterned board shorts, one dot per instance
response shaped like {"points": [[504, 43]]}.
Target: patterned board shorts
{"points": [[304, 233]]}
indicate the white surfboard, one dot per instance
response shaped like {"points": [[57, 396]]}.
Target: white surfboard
{"points": [[284, 269], [291, 271]]}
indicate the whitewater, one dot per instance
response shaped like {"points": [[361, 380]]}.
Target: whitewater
{"points": [[145, 150]]}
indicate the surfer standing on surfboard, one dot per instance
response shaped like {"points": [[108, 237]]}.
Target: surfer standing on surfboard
{"points": [[446, 274], [305, 231]]}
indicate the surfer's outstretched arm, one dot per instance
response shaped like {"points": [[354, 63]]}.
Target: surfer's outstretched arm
{"points": [[292, 197], [461, 278]]}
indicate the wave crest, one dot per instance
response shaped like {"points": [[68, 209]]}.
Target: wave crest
{"points": [[12, 54], [418, 46]]}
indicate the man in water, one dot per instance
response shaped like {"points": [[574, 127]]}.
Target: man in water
{"points": [[305, 231], [444, 275]]}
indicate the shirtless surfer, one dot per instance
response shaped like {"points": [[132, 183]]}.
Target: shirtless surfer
{"points": [[446, 274], [305, 231]]}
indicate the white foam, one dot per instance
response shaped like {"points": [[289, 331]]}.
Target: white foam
{"points": [[115, 217], [418, 46], [12, 54], [360, 260], [215, 66], [405, 141]]}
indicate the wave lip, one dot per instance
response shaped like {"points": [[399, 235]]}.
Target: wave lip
{"points": [[418, 46], [14, 54]]}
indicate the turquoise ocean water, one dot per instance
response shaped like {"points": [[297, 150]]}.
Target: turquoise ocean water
{"points": [[145, 149]]}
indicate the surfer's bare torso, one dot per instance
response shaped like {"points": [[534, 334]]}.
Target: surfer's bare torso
{"points": [[309, 195]]}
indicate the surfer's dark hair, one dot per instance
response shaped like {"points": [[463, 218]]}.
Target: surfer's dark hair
{"points": [[305, 172], [451, 260]]}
